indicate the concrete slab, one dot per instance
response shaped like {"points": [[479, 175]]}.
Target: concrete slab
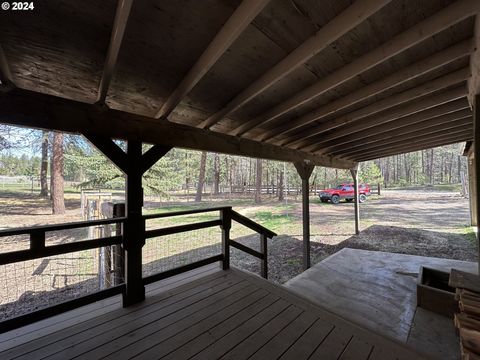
{"points": [[375, 289]]}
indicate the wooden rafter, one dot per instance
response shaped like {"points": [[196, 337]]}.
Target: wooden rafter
{"points": [[25, 108], [112, 151], [406, 74], [355, 14], [409, 135], [152, 155], [386, 116], [441, 20], [392, 129], [6, 79], [474, 82], [424, 89], [418, 145], [233, 28], [436, 112], [119, 25]]}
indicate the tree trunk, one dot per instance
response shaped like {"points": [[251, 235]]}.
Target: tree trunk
{"points": [[216, 174], [44, 166], [280, 186], [201, 177], [58, 200], [258, 182]]}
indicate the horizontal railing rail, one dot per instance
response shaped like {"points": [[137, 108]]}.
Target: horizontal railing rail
{"points": [[39, 249], [184, 212], [241, 219]]}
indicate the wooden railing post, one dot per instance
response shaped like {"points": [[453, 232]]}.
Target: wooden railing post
{"points": [[264, 251], [37, 240], [226, 217], [118, 254], [134, 230]]}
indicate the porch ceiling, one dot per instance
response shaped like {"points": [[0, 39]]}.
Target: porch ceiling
{"points": [[334, 82]]}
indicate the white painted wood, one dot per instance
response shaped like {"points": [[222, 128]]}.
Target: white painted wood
{"points": [[119, 25], [355, 14], [233, 28]]}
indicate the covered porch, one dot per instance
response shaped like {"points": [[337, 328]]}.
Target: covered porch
{"points": [[331, 83]]}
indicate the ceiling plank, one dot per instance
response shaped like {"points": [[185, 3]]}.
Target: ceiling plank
{"points": [[231, 30], [406, 74], [26, 108], [414, 107], [119, 25], [393, 129], [417, 146], [355, 14], [6, 79], [424, 89], [441, 20], [409, 135], [474, 82], [435, 112]]}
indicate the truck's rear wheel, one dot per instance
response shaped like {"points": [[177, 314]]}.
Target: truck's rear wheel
{"points": [[335, 199], [362, 198]]}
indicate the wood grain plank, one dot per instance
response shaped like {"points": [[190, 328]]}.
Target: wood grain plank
{"points": [[128, 344], [308, 342], [357, 349], [165, 302], [333, 346], [187, 344], [230, 340], [255, 341], [284, 339]]}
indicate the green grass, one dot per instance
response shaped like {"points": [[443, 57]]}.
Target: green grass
{"points": [[273, 221]]}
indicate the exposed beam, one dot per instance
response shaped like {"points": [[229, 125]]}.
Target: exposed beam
{"points": [[435, 112], [416, 146], [6, 79], [152, 155], [474, 82], [406, 74], [441, 20], [386, 116], [368, 141], [355, 14], [25, 108], [119, 25], [111, 150], [426, 88], [430, 132], [231, 30]]}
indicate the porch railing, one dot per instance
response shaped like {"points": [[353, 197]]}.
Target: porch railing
{"points": [[38, 249], [227, 215]]}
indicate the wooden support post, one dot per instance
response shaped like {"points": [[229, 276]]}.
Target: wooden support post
{"points": [[354, 172], [305, 170], [134, 234], [226, 217], [264, 251], [378, 189], [118, 254], [476, 149]]}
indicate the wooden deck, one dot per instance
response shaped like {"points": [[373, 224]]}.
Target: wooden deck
{"points": [[214, 314]]}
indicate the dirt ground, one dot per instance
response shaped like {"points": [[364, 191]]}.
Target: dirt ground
{"points": [[428, 223]]}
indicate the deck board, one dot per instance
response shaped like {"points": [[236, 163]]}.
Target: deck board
{"points": [[211, 315]]}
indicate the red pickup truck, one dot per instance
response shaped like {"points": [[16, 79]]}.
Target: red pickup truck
{"points": [[344, 191]]}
